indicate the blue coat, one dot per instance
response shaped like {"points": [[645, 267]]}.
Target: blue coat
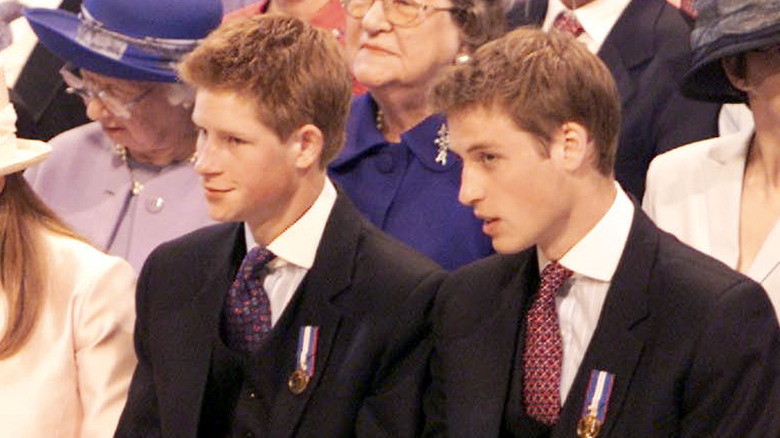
{"points": [[86, 183], [405, 192]]}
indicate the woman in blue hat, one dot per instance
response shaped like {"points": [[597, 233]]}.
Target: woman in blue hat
{"points": [[722, 195], [126, 182], [66, 312]]}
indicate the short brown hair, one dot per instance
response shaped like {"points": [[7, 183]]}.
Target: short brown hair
{"points": [[479, 21], [542, 80], [296, 73]]}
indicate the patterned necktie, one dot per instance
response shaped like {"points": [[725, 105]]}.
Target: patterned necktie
{"points": [[543, 351], [247, 311], [566, 21]]}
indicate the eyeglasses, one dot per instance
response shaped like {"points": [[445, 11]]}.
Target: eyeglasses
{"points": [[88, 90], [397, 12]]}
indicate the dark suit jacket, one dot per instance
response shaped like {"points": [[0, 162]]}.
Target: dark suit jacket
{"points": [[647, 51], [361, 286], [694, 346]]}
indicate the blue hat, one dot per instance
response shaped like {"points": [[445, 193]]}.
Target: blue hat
{"points": [[128, 39], [726, 28]]}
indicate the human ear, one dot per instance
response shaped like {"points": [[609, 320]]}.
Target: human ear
{"points": [[575, 145], [308, 143], [735, 69]]}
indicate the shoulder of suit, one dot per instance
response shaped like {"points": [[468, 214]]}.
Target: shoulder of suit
{"points": [[492, 272], [90, 134], [683, 160], [693, 275], [392, 252], [200, 241]]}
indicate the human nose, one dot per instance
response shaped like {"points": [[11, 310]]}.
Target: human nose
{"points": [[205, 164], [470, 189], [96, 109], [375, 19]]}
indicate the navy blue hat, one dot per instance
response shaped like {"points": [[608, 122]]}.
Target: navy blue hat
{"points": [[128, 39], [726, 28]]}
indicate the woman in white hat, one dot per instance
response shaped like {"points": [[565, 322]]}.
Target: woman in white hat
{"points": [[722, 195], [66, 312], [125, 182]]}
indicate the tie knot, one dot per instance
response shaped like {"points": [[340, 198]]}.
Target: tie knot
{"points": [[566, 21], [255, 260], [553, 277]]}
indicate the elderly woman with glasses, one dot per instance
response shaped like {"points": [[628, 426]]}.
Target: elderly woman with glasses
{"points": [[395, 165], [126, 181]]}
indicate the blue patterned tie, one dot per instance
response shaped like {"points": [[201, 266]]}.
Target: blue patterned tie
{"points": [[247, 309]]}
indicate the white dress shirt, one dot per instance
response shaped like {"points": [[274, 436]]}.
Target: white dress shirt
{"points": [[295, 250], [593, 260], [597, 18]]}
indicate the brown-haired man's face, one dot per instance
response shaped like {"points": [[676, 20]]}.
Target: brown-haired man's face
{"points": [[248, 172], [508, 179]]}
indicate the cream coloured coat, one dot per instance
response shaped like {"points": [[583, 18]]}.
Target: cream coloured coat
{"points": [[71, 378], [694, 192]]}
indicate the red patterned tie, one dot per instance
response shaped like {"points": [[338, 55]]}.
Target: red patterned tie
{"points": [[566, 21], [247, 308], [543, 351]]}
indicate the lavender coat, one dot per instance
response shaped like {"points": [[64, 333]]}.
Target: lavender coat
{"points": [[86, 183]]}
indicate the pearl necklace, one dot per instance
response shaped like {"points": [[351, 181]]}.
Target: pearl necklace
{"points": [[138, 186], [442, 140]]}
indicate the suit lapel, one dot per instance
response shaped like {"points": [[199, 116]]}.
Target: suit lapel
{"points": [[330, 275], [196, 324], [614, 348], [723, 172], [622, 52], [485, 355], [767, 260]]}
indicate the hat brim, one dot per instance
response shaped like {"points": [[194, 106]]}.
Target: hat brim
{"points": [[57, 31], [22, 155], [707, 80]]}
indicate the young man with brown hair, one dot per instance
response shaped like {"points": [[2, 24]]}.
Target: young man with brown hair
{"points": [[308, 339], [591, 321]]}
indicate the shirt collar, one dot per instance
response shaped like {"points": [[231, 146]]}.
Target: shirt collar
{"points": [[598, 253], [597, 17], [363, 137], [298, 244]]}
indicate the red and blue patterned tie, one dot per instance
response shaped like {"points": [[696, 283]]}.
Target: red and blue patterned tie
{"points": [[543, 350], [247, 309]]}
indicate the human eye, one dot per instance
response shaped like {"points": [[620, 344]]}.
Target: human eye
{"points": [[408, 8], [487, 158], [235, 141]]}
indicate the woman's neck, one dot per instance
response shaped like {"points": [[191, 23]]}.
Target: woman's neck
{"points": [[400, 112], [764, 155], [180, 149]]}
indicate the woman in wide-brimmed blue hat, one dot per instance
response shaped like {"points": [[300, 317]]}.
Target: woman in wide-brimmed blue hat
{"points": [[722, 196], [126, 181]]}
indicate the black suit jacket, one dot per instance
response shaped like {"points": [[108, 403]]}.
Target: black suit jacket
{"points": [[360, 294], [647, 51], [694, 346]]}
